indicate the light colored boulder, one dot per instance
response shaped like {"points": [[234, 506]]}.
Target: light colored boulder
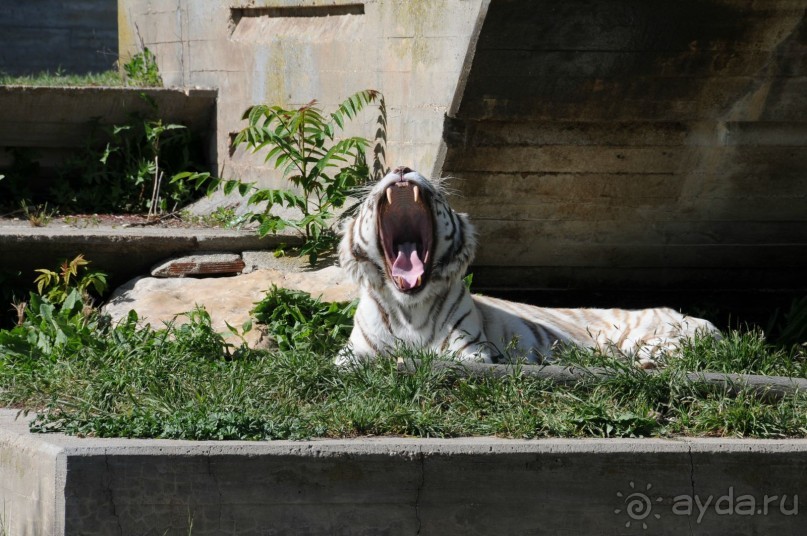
{"points": [[227, 299]]}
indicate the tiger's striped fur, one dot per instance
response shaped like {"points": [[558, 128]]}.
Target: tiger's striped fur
{"points": [[408, 251]]}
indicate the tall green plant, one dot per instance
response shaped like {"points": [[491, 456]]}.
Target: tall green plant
{"points": [[322, 167], [127, 172]]}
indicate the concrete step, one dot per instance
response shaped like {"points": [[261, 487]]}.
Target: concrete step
{"points": [[55, 484], [122, 252]]}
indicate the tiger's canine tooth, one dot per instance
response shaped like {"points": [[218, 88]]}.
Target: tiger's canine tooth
{"points": [[389, 195], [416, 192]]}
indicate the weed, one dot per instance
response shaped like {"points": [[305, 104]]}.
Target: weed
{"points": [[225, 217], [13, 288], [124, 169], [142, 70], [298, 322], [38, 215], [72, 275], [82, 222]]}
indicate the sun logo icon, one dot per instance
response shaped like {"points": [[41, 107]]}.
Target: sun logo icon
{"points": [[638, 505]]}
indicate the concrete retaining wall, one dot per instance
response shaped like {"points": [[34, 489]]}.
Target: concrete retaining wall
{"points": [[50, 123], [290, 52], [624, 144], [123, 253], [605, 144], [52, 484], [74, 36]]}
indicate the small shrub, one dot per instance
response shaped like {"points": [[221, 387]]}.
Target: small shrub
{"points": [[131, 171], [296, 321], [72, 275], [322, 169], [142, 70], [39, 215]]}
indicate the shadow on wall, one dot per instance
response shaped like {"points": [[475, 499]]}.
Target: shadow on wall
{"points": [[54, 35], [635, 144]]}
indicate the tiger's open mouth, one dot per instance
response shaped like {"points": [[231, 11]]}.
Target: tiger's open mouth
{"points": [[406, 233]]}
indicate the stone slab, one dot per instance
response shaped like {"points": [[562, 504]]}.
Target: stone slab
{"points": [[55, 484], [203, 264], [229, 300]]}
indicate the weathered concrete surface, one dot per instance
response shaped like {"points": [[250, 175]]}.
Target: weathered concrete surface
{"points": [[400, 486], [597, 144], [53, 35], [122, 252], [53, 119], [624, 144], [229, 300], [290, 52]]}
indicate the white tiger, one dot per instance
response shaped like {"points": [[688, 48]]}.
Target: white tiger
{"points": [[408, 251]]}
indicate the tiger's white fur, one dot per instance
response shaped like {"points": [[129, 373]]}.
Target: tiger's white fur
{"points": [[435, 311]]}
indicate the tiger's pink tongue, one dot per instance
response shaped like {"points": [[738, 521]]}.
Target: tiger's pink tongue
{"points": [[407, 266]]}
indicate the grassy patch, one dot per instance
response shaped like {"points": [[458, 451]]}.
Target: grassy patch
{"points": [[61, 79], [140, 70], [87, 377]]}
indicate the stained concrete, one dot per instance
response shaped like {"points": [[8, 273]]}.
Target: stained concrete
{"points": [[596, 144], [122, 252], [57, 36], [54, 484]]}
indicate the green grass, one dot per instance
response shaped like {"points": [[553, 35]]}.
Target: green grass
{"points": [[59, 79], [88, 378]]}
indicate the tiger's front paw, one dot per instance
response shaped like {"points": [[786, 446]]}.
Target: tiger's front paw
{"points": [[478, 354], [346, 357]]}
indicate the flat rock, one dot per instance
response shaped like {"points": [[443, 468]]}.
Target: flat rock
{"points": [[200, 264], [228, 299]]}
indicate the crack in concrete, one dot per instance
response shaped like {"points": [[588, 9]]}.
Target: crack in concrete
{"points": [[422, 460], [213, 475], [691, 483], [111, 494]]}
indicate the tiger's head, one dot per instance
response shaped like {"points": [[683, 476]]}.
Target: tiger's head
{"points": [[406, 239]]}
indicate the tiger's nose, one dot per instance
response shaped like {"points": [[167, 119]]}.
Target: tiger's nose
{"points": [[402, 170]]}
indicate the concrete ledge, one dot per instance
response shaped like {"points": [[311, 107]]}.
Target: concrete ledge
{"points": [[63, 116], [54, 484], [122, 252]]}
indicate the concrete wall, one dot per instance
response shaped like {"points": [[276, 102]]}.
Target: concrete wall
{"points": [[633, 144], [597, 144], [52, 122], [290, 52], [75, 36], [55, 485]]}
